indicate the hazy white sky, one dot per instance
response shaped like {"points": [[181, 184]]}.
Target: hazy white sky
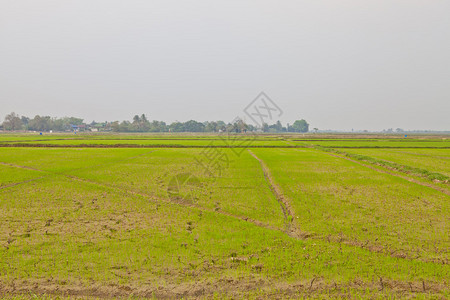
{"points": [[369, 64]]}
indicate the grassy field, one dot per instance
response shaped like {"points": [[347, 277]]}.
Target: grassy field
{"points": [[339, 216], [437, 160]]}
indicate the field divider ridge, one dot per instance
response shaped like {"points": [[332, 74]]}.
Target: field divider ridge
{"points": [[288, 212]]}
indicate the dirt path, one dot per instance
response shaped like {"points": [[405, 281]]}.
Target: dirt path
{"points": [[291, 228]]}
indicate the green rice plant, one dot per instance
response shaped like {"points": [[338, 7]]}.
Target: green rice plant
{"points": [[101, 221]]}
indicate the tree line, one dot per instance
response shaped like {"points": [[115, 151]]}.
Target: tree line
{"points": [[14, 122]]}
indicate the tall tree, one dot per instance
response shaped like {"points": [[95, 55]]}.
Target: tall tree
{"points": [[278, 126], [12, 122], [39, 123], [25, 121]]}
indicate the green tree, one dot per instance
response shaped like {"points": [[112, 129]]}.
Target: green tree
{"points": [[194, 126], [176, 127], [158, 126], [211, 126], [140, 124], [300, 126], [278, 126], [12, 122], [39, 123], [126, 126], [115, 126], [74, 121], [221, 126], [25, 121], [145, 124]]}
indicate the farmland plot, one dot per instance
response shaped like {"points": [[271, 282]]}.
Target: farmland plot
{"points": [[274, 223], [436, 160], [339, 199]]}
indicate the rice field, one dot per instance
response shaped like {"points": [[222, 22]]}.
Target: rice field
{"points": [[209, 216]]}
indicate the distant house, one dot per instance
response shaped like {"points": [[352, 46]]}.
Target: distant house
{"points": [[98, 127], [81, 127]]}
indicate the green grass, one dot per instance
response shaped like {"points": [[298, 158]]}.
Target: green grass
{"points": [[437, 160], [408, 169], [101, 221], [338, 198]]}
